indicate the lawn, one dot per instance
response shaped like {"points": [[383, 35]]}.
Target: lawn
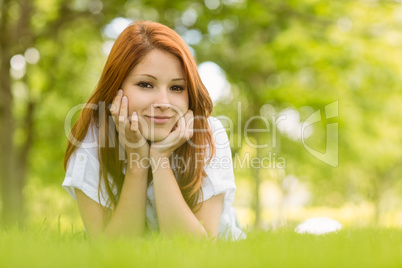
{"points": [[368, 247]]}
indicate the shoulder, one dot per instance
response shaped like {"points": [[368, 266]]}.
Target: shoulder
{"points": [[218, 133], [219, 170], [90, 141], [89, 145], [214, 123], [82, 170], [220, 138]]}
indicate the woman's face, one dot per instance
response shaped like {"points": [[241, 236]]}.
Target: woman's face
{"points": [[156, 90]]}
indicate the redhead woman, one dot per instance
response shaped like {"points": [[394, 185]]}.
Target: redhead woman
{"points": [[153, 159]]}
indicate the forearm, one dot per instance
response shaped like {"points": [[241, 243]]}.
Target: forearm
{"points": [[129, 216], [174, 215]]}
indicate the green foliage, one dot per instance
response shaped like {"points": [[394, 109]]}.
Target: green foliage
{"points": [[308, 55]]}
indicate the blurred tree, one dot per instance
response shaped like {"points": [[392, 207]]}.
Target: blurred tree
{"points": [[260, 46], [305, 55], [26, 27]]}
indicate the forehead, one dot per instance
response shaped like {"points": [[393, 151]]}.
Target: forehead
{"points": [[159, 63]]}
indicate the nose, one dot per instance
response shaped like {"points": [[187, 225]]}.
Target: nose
{"points": [[161, 106], [162, 101]]}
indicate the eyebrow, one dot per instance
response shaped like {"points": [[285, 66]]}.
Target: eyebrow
{"points": [[174, 79]]}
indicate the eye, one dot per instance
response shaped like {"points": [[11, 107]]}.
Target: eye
{"points": [[144, 85], [177, 88]]}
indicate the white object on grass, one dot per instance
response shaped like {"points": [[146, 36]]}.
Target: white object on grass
{"points": [[318, 226]]}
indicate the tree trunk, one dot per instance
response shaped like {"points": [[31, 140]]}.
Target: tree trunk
{"points": [[11, 185], [15, 37], [11, 190], [257, 199]]}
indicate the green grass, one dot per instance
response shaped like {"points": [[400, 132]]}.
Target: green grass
{"points": [[369, 247]]}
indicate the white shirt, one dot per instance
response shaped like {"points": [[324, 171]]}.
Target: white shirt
{"points": [[83, 174]]}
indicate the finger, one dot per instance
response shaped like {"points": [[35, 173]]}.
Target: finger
{"points": [[134, 122], [189, 121], [141, 141], [124, 108], [115, 107], [189, 134], [189, 116], [174, 127], [182, 126], [122, 115], [177, 134]]}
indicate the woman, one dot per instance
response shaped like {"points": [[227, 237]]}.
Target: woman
{"points": [[151, 166]]}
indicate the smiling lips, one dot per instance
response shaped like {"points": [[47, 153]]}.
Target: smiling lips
{"points": [[158, 119]]}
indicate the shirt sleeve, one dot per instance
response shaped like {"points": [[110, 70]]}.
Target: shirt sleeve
{"points": [[219, 171], [83, 170]]}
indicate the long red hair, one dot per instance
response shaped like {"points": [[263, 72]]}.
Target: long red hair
{"points": [[128, 50]]}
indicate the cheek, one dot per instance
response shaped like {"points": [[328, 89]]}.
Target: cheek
{"points": [[182, 103], [132, 105], [135, 98], [135, 102]]}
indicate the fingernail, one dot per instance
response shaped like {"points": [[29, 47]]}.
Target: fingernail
{"points": [[124, 98], [120, 92], [135, 115]]}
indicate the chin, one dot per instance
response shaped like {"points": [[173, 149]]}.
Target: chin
{"points": [[156, 136]]}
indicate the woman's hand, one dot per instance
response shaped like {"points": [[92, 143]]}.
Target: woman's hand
{"points": [[135, 145], [182, 132]]}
